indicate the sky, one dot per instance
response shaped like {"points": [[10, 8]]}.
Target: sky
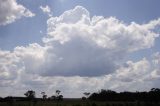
{"points": [[78, 46]]}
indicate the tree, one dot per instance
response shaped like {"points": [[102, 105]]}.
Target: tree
{"points": [[44, 96], [58, 96], [86, 94], [53, 97], [30, 94], [58, 92], [83, 98]]}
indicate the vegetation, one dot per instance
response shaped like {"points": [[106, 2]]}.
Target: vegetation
{"points": [[108, 95], [44, 96], [101, 98], [30, 95]]}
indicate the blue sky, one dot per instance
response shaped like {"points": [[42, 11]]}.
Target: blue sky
{"points": [[91, 43]]}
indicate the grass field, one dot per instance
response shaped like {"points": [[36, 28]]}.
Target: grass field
{"points": [[76, 103]]}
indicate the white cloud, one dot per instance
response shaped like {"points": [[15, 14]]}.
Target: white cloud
{"points": [[32, 57], [133, 71], [84, 44], [156, 64], [108, 33], [46, 10], [10, 67], [83, 53], [156, 58], [10, 11]]}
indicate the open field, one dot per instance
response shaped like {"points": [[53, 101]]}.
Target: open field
{"points": [[76, 103]]}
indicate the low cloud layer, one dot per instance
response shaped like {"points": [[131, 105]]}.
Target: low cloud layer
{"points": [[10, 11], [83, 53]]}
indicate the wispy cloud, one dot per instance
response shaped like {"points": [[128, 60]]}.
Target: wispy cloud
{"points": [[46, 9], [10, 11]]}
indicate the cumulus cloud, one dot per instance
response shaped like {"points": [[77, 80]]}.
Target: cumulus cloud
{"points": [[46, 9], [156, 64], [9, 68], [82, 44], [108, 33], [83, 53], [133, 71], [129, 77], [10, 11]]}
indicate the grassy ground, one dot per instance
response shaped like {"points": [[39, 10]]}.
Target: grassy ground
{"points": [[76, 103]]}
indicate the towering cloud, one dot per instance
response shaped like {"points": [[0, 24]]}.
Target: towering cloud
{"points": [[82, 45], [82, 53]]}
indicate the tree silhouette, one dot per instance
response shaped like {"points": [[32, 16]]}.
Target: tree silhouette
{"points": [[86, 94], [58, 96], [58, 92], [44, 96], [30, 94], [153, 96], [53, 97]]}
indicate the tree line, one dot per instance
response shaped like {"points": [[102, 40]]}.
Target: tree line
{"points": [[30, 95], [103, 95], [108, 95]]}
